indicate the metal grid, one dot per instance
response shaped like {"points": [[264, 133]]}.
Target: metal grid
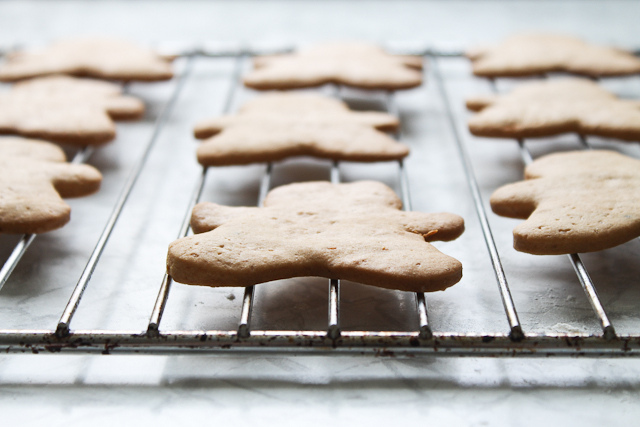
{"points": [[422, 340]]}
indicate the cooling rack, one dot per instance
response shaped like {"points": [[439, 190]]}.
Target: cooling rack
{"points": [[506, 337]]}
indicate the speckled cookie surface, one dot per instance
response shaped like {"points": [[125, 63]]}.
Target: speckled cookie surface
{"points": [[581, 201], [553, 107], [529, 54], [276, 126], [348, 231], [34, 177], [66, 110], [99, 58], [353, 64]]}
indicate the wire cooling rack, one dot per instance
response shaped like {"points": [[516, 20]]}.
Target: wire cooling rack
{"points": [[421, 338]]}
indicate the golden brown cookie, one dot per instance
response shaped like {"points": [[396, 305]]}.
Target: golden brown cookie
{"points": [[580, 201], [348, 231], [530, 54], [99, 58], [553, 107], [353, 64], [66, 110], [276, 126], [34, 177]]}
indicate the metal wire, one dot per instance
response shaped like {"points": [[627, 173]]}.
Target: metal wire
{"points": [[421, 297], [25, 241], [244, 340], [63, 324], [165, 287], [583, 276], [333, 331], [244, 327], [516, 332]]}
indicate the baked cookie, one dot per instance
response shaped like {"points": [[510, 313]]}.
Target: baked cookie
{"points": [[66, 110], [34, 175], [276, 126], [99, 58], [353, 64], [530, 54], [553, 107], [581, 201], [349, 231]]}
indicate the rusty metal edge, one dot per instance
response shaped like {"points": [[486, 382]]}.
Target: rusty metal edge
{"points": [[316, 342]]}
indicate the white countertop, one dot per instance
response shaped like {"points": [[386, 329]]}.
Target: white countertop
{"points": [[304, 389]]}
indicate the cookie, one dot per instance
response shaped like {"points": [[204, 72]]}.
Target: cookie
{"points": [[99, 58], [34, 176], [573, 202], [66, 109], [350, 231], [276, 126], [554, 107], [531, 54], [359, 65]]}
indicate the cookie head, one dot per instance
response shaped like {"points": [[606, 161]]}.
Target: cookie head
{"points": [[574, 202], [353, 64], [348, 231], [34, 177], [531, 54], [553, 107], [277, 126], [94, 57]]}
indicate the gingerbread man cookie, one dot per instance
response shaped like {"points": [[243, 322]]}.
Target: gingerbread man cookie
{"points": [[100, 58], [353, 64], [530, 54], [553, 107], [66, 110], [276, 126], [581, 201], [34, 177], [350, 231]]}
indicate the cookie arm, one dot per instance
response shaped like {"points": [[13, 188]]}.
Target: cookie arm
{"points": [[478, 103], [381, 121], [124, 108], [210, 127], [71, 180], [208, 216], [517, 200], [265, 60], [411, 61], [433, 226]]}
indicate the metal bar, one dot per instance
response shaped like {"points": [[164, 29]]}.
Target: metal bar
{"points": [[25, 241], [165, 287], [590, 290], [386, 343], [583, 276], [421, 297], [585, 142], [74, 301], [333, 330], [527, 158], [244, 327], [516, 332]]}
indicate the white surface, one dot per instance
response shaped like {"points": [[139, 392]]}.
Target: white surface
{"points": [[104, 390]]}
